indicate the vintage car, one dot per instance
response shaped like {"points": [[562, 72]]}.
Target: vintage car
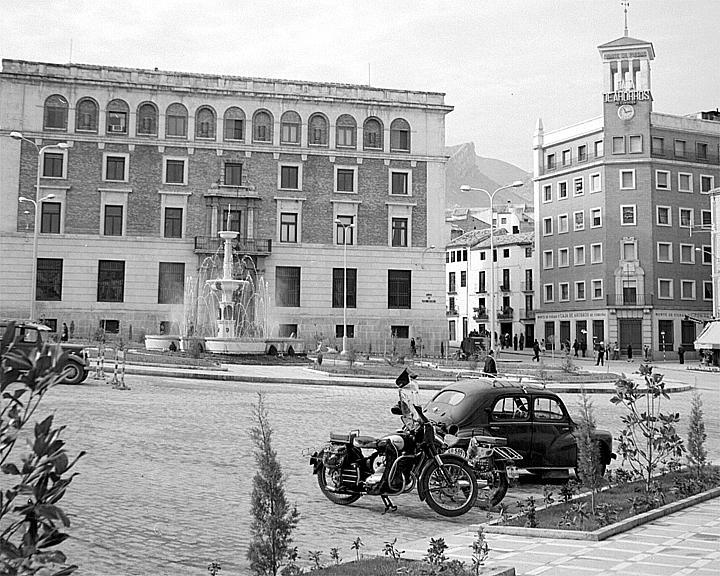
{"points": [[534, 421], [76, 365]]}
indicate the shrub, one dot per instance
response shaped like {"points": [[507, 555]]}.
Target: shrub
{"points": [[273, 519], [696, 453], [589, 457]]}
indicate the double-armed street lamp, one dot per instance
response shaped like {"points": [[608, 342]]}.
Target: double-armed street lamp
{"points": [[493, 288], [36, 203], [345, 287]]}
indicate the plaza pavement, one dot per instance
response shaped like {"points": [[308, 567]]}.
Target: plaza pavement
{"points": [[684, 543]]}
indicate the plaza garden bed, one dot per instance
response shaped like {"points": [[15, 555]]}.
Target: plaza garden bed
{"points": [[618, 507], [389, 567]]}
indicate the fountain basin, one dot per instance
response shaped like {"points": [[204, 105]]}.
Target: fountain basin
{"points": [[161, 342], [234, 346], [192, 344]]}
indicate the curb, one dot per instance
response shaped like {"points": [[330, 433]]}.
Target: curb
{"points": [[606, 531]]}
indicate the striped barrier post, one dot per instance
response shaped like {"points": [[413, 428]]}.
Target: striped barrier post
{"points": [[115, 382], [100, 363], [120, 385]]}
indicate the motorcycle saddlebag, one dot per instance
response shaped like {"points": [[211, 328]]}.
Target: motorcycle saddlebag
{"points": [[334, 456]]}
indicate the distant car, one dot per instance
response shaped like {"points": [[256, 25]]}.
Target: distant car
{"points": [[30, 335], [534, 421]]}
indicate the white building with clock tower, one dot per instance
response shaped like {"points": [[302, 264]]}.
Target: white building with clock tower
{"points": [[622, 204]]}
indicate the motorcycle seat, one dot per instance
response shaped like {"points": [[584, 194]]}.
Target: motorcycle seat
{"points": [[365, 442]]}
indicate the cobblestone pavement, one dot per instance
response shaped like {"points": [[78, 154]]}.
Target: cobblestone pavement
{"points": [[165, 486]]}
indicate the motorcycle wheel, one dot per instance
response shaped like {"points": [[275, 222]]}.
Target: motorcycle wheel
{"points": [[494, 491], [449, 500], [325, 477]]}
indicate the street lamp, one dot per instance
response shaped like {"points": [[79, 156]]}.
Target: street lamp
{"points": [[491, 195], [345, 227], [662, 340], [36, 202]]}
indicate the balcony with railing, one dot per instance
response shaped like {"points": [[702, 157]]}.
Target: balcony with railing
{"points": [[527, 314], [527, 286], [250, 246], [629, 300], [481, 313], [506, 313], [504, 287], [709, 157], [575, 161], [452, 311]]}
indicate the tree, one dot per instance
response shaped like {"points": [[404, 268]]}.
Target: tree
{"points": [[29, 511], [589, 458], [273, 518], [696, 452]]}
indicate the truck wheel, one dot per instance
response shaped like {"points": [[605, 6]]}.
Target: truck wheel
{"points": [[74, 373]]}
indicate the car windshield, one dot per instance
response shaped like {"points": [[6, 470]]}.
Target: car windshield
{"points": [[451, 397]]}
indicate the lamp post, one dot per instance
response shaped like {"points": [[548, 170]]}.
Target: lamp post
{"points": [[662, 340], [36, 202], [493, 288], [345, 227]]}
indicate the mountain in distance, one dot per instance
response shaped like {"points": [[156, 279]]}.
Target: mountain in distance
{"points": [[464, 166]]}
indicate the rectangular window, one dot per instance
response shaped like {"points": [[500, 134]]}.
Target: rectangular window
{"points": [[288, 227], [290, 177], [53, 165], [563, 224], [628, 251], [579, 255], [635, 143], [344, 230], [399, 183], [664, 216], [233, 174], [481, 282], [346, 136], [596, 255], [665, 288], [596, 218], [49, 279], [706, 255], [231, 220], [111, 281], [579, 220], [340, 330], [686, 217], [547, 226], [687, 253], [404, 331], [399, 288], [287, 286], [627, 179], [400, 139], [339, 283], [113, 220], [400, 232], [627, 215], [658, 145], [706, 219], [174, 171], [547, 193], [707, 183], [599, 148], [176, 125], [234, 129], [618, 145], [701, 150], [578, 186], [680, 148], [115, 168], [664, 252], [707, 290], [662, 180], [580, 290], [597, 289], [451, 282], [562, 190], [463, 278], [550, 162], [345, 180], [549, 292], [595, 183], [566, 158], [171, 283], [563, 257], [547, 259], [173, 222], [564, 295], [685, 183], [289, 133], [582, 153], [50, 217], [117, 122]]}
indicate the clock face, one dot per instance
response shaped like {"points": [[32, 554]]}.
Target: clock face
{"points": [[625, 112]]}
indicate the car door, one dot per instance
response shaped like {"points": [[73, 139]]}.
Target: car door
{"points": [[553, 445], [509, 417]]}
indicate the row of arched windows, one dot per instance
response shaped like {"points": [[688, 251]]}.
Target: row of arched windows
{"points": [[234, 124]]}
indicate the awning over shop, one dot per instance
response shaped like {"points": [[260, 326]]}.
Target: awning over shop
{"points": [[709, 337]]}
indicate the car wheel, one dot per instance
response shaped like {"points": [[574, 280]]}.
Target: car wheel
{"points": [[73, 373]]}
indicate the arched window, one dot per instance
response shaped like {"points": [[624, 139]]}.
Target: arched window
{"points": [[56, 113], [205, 123], [117, 117], [176, 121], [234, 124], [290, 128], [400, 135], [373, 134], [346, 128], [86, 115], [262, 126], [147, 116], [318, 130]]}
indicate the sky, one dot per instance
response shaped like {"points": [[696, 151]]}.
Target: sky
{"points": [[502, 64]]}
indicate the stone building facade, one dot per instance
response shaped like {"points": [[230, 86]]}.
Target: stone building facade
{"points": [[157, 163]]}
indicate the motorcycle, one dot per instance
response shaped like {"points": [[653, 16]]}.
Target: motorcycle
{"points": [[414, 456]]}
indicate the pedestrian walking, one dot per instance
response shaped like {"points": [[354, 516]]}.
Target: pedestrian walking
{"points": [[647, 353], [412, 346], [542, 346], [515, 342], [576, 347], [522, 341], [583, 347], [536, 351], [630, 358], [490, 364], [616, 351], [64, 336], [681, 354], [600, 354]]}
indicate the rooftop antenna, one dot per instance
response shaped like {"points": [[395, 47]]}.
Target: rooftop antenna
{"points": [[625, 3], [70, 51]]}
